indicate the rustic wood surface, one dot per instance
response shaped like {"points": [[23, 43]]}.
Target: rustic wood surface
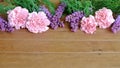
{"points": [[60, 48]]}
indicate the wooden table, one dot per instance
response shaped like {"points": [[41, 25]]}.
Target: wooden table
{"points": [[60, 48]]}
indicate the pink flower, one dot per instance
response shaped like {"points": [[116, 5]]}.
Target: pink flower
{"points": [[18, 17], [89, 24], [104, 17], [37, 22]]}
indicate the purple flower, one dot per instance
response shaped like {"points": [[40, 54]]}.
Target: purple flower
{"points": [[5, 26], [116, 25], [46, 11], [74, 19], [55, 20]]}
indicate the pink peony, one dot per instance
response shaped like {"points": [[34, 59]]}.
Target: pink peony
{"points": [[18, 17], [88, 24], [104, 17], [37, 22]]}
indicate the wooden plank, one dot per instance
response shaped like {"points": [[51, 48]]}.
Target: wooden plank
{"points": [[61, 35], [60, 49], [61, 40], [60, 60], [58, 46]]}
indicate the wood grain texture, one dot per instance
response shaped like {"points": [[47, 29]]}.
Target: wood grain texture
{"points": [[60, 48], [60, 40], [60, 60]]}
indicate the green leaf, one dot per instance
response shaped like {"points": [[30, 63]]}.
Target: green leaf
{"points": [[50, 5]]}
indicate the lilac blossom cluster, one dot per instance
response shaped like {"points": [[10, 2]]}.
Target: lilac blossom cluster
{"points": [[55, 20], [5, 26], [116, 25], [74, 20]]}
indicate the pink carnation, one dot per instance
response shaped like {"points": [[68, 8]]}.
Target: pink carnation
{"points": [[104, 17], [18, 17], [37, 22], [88, 24]]}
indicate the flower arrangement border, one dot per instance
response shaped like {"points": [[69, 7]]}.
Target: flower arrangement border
{"points": [[39, 15]]}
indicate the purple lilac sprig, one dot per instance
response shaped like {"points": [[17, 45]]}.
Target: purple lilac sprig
{"points": [[74, 20], [46, 11], [116, 25], [5, 26], [55, 20]]}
